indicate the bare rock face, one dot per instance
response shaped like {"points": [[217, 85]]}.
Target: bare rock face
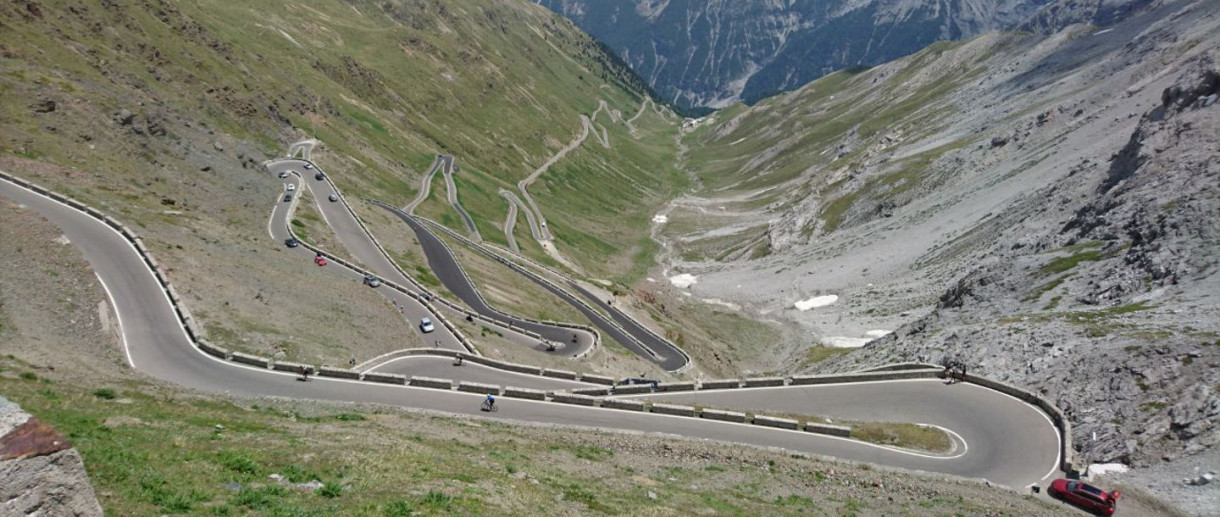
{"points": [[40, 474]]}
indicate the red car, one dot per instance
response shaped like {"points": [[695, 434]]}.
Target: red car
{"points": [[1084, 496], [319, 260]]}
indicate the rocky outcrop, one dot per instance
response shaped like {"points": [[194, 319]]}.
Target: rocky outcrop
{"points": [[1109, 313], [40, 473]]}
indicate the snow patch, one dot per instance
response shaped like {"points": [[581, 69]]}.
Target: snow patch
{"points": [[660, 219], [683, 281], [816, 301], [1101, 469], [722, 303], [877, 333], [845, 342], [63, 240]]}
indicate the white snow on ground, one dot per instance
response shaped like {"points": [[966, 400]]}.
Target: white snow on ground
{"points": [[683, 281], [718, 301], [1101, 469], [816, 301], [877, 333], [660, 219], [845, 342]]}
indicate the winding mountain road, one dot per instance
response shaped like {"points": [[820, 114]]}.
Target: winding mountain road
{"points": [[1005, 441]]}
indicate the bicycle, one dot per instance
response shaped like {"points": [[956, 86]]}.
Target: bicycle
{"points": [[489, 407]]}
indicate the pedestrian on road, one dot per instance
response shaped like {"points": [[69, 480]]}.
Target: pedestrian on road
{"points": [[948, 374], [963, 379]]}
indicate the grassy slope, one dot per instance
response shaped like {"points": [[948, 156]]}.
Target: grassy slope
{"points": [[216, 87], [152, 450]]}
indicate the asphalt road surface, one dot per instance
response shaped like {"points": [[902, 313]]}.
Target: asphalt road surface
{"points": [[361, 247], [446, 268], [1008, 442]]}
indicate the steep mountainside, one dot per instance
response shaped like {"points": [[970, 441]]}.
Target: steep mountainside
{"points": [[162, 112], [701, 53], [1040, 208]]}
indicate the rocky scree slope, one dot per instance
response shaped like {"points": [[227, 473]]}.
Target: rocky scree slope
{"points": [[701, 54], [1052, 167], [1112, 312]]}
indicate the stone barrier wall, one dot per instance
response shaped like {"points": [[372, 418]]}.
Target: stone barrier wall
{"points": [[596, 379], [596, 392], [251, 360], [337, 373], [284, 366], [676, 386], [673, 409], [475, 387], [385, 378], [429, 382], [524, 393], [763, 381], [774, 421], [213, 350], [722, 384], [568, 398], [559, 374], [632, 389], [833, 430], [627, 404], [724, 416]]}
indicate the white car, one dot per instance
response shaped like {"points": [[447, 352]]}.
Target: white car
{"points": [[426, 325], [333, 198], [308, 166], [284, 174], [291, 187]]}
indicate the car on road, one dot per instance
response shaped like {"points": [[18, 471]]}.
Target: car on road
{"points": [[308, 166], [287, 197], [320, 260], [1084, 496], [319, 176], [291, 187], [283, 174], [371, 281], [292, 242], [426, 325], [333, 198]]}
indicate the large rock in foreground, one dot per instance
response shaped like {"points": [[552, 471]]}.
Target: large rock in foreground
{"points": [[40, 472]]}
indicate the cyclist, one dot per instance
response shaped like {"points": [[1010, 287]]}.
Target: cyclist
{"points": [[490, 402]]}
